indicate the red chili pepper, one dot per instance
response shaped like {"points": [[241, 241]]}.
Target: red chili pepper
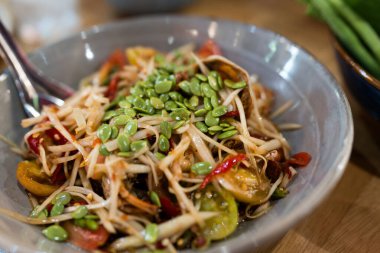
{"points": [[56, 136], [223, 167], [112, 88], [169, 208], [231, 114], [300, 159], [34, 142], [209, 48], [117, 58], [58, 177]]}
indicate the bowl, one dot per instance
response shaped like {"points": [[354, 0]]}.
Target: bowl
{"points": [[319, 105], [147, 6], [362, 85]]}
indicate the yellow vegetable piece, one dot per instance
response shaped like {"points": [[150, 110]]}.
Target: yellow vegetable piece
{"points": [[222, 225], [244, 186], [137, 54], [30, 176]]}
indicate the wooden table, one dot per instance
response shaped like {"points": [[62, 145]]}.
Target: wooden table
{"points": [[349, 219]]}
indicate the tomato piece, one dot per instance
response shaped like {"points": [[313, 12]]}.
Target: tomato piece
{"points": [[30, 176], [85, 238], [245, 186], [209, 48], [135, 54], [34, 142], [222, 225], [56, 136], [300, 159]]}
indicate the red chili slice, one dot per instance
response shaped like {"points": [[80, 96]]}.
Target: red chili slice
{"points": [[169, 208], [112, 88], [209, 48], [223, 167], [34, 142], [231, 114], [56, 136], [58, 177], [300, 159]]}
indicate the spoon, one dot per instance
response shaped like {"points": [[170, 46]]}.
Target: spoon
{"points": [[27, 78]]}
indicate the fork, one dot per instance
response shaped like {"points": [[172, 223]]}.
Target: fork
{"points": [[27, 79]]}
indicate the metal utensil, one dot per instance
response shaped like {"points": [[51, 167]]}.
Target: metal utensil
{"points": [[27, 79]]}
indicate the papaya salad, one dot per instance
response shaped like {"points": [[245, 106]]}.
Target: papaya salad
{"points": [[156, 151]]}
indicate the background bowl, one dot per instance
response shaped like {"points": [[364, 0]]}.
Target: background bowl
{"points": [[319, 105], [147, 6], [362, 85]]}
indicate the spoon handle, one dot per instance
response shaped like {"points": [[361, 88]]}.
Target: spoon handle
{"points": [[25, 71]]}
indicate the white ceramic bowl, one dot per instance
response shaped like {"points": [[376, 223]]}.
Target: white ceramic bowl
{"points": [[319, 105]]}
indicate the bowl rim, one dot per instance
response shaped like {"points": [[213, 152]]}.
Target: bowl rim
{"points": [[355, 65], [320, 192]]}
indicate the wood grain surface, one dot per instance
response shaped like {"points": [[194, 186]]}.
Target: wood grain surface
{"points": [[349, 219]]}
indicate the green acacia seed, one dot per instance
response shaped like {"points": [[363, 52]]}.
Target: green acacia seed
{"points": [[185, 86], [163, 86], [238, 85], [151, 93], [55, 233], [125, 104], [207, 90], [91, 217], [131, 127], [227, 134], [104, 132], [151, 233], [194, 101], [202, 127], [180, 114], [139, 102], [201, 77], [213, 82], [80, 212], [80, 223], [224, 124], [109, 115], [57, 209], [201, 168], [170, 105], [91, 224], [62, 198], [163, 143], [155, 199], [178, 124], [219, 111], [207, 103], [130, 112], [114, 132], [166, 129], [214, 101], [181, 105], [123, 143], [176, 96], [159, 156], [164, 97], [41, 215], [228, 128], [125, 154], [195, 87], [121, 120], [215, 128], [103, 150], [157, 103], [200, 112], [211, 120], [138, 145]]}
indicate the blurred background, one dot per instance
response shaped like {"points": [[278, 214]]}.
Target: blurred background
{"points": [[348, 221]]}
